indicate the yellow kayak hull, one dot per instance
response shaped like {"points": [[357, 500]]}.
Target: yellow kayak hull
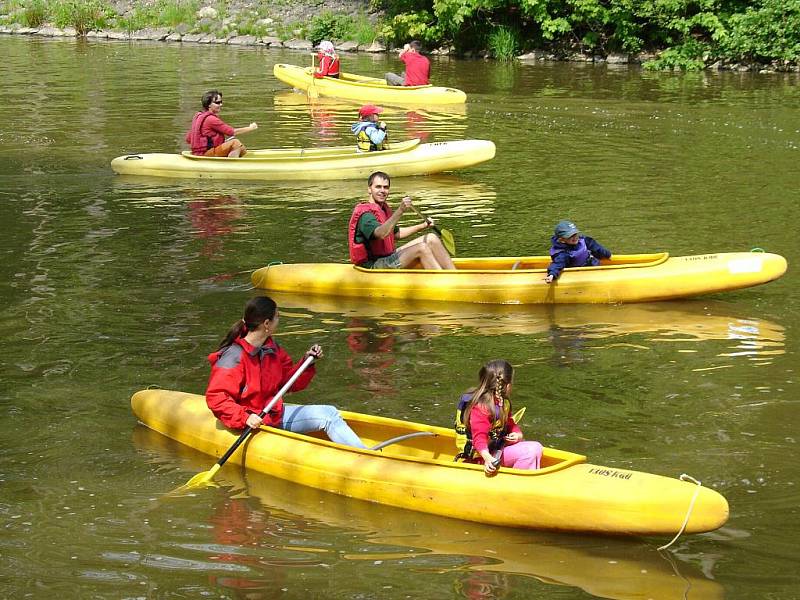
{"points": [[520, 280], [566, 494], [313, 164], [387, 533], [367, 89]]}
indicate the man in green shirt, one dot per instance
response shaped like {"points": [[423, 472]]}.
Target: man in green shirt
{"points": [[373, 230]]}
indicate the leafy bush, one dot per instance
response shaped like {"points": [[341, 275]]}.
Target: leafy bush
{"points": [[686, 57], [771, 31], [328, 26], [174, 12], [34, 13], [364, 32], [419, 25], [504, 43], [83, 15]]}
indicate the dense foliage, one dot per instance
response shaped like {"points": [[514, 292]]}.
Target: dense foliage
{"points": [[687, 33], [681, 34]]}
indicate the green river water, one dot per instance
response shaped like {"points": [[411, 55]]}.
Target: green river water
{"points": [[112, 284]]}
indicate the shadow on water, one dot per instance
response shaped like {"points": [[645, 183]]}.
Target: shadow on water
{"points": [[476, 557]]}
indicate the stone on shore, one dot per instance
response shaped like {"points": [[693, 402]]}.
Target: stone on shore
{"points": [[295, 44], [174, 37], [271, 41], [375, 47], [347, 47], [243, 40], [535, 55]]}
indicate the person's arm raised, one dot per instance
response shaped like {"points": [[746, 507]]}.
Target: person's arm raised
{"points": [[386, 229], [240, 130]]}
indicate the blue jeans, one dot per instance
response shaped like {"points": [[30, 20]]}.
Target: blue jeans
{"points": [[319, 417]]}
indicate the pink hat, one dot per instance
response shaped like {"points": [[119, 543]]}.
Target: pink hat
{"points": [[369, 109]]}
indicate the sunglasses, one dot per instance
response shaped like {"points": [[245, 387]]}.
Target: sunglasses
{"points": [[217, 102]]}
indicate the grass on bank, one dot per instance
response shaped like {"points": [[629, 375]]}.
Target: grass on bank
{"points": [[88, 15]]}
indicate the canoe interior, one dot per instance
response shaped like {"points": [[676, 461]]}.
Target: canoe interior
{"points": [[533, 263], [438, 447], [373, 81], [276, 154]]}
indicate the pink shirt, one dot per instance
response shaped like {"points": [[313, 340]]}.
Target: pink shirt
{"points": [[480, 423], [418, 69], [213, 128]]}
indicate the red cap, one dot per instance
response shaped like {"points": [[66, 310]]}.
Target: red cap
{"points": [[369, 109]]}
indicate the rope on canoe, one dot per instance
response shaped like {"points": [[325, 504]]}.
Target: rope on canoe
{"points": [[685, 477]]}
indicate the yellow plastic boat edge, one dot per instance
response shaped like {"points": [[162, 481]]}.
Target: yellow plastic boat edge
{"points": [[353, 87], [625, 278], [418, 474]]}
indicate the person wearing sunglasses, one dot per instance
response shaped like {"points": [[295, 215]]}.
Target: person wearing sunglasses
{"points": [[208, 132]]}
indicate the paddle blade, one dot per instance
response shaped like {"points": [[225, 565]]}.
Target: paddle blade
{"points": [[312, 92], [201, 480], [448, 241]]}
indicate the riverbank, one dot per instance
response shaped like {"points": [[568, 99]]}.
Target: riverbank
{"points": [[353, 25]]}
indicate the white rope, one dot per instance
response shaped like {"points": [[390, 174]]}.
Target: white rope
{"points": [[685, 477]]}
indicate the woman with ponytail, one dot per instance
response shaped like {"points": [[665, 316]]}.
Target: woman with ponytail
{"points": [[490, 427], [249, 368]]}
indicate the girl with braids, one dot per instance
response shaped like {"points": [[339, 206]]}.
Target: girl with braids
{"points": [[249, 368], [485, 415]]}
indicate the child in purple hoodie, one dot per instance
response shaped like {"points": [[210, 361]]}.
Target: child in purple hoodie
{"points": [[571, 249]]}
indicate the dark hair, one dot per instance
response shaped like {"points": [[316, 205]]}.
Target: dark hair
{"points": [[493, 379], [377, 174], [208, 98], [256, 311], [415, 45]]}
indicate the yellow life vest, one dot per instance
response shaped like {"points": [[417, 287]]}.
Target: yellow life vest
{"points": [[464, 435], [365, 144]]}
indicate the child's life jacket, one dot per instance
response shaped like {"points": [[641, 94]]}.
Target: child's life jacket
{"points": [[497, 432]]}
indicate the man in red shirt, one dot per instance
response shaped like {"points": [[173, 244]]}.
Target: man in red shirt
{"points": [[207, 134], [418, 68]]}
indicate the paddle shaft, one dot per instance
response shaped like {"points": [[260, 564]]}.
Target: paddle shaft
{"points": [[424, 218], [248, 430]]}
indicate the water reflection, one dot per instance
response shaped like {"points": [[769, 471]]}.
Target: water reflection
{"points": [[571, 329], [331, 118], [213, 219], [479, 558]]}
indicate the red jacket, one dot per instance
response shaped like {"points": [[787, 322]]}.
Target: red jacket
{"points": [[328, 66], [245, 378], [480, 423]]}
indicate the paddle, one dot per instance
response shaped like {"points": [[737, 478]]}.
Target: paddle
{"points": [[446, 235], [204, 478], [498, 455], [312, 92]]}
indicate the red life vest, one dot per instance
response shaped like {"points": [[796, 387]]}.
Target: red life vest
{"points": [[200, 143], [328, 66], [377, 248]]}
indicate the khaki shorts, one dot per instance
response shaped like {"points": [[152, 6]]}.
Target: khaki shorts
{"points": [[226, 148], [387, 262]]}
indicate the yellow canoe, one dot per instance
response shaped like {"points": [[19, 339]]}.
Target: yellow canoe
{"points": [[419, 474], [624, 569], [367, 89], [313, 164], [520, 280]]}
